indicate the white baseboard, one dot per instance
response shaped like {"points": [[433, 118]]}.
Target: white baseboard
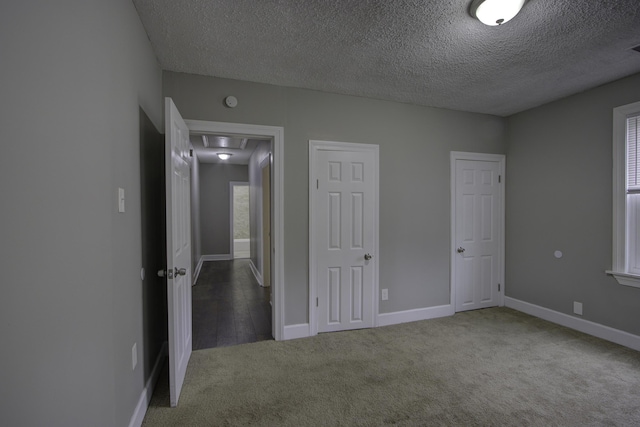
{"points": [[256, 273], [147, 392], [217, 257], [386, 319], [197, 272], [596, 329], [292, 332], [303, 330]]}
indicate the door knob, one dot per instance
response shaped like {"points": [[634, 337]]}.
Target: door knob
{"points": [[172, 273], [367, 257], [165, 273], [461, 250]]}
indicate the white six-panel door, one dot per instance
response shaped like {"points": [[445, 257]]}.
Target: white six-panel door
{"points": [[178, 207], [477, 234], [344, 221]]}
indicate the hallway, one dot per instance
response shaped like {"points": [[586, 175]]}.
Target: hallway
{"points": [[229, 307]]}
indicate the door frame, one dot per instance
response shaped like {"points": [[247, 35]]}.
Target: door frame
{"points": [[483, 157], [314, 147], [232, 185], [276, 134], [266, 275]]}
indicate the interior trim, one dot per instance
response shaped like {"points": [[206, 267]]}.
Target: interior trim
{"points": [[596, 329], [276, 135]]}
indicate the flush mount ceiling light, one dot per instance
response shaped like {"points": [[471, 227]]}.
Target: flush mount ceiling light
{"points": [[495, 12], [224, 156]]}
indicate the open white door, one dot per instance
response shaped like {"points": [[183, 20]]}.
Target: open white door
{"points": [[178, 207]]}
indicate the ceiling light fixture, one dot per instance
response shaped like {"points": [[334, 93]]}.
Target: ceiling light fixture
{"points": [[224, 156], [495, 12]]}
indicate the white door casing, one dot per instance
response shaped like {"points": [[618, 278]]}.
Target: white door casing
{"points": [[477, 246], [178, 207], [343, 225], [266, 222]]}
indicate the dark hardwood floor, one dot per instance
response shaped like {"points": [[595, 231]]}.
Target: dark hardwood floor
{"points": [[229, 307]]}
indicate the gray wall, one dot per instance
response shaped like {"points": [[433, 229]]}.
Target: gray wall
{"points": [[74, 75], [414, 174], [214, 205], [559, 197], [255, 202], [196, 234]]}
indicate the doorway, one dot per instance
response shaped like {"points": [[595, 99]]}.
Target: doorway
{"points": [[276, 136], [477, 230], [239, 214]]}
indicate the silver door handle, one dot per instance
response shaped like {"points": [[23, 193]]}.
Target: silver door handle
{"points": [[164, 273], [179, 271], [461, 250], [367, 257]]}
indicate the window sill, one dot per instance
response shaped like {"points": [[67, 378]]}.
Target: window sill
{"points": [[626, 279]]}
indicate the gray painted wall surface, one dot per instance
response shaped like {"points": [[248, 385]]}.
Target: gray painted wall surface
{"points": [[196, 234], [73, 78], [255, 202], [559, 197], [414, 174], [214, 205]]}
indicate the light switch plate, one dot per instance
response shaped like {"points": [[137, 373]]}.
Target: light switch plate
{"points": [[134, 356], [120, 199], [385, 294]]}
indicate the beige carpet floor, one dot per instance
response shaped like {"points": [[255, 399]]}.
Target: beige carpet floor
{"points": [[487, 367]]}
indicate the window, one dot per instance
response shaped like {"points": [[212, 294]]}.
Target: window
{"points": [[626, 195]]}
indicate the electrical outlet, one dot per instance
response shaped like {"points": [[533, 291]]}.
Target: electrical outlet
{"points": [[385, 294], [134, 356], [577, 308]]}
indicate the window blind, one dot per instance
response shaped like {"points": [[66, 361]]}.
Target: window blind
{"points": [[633, 152]]}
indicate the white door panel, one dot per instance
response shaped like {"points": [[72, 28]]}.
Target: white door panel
{"points": [[344, 224], [477, 234], [178, 208]]}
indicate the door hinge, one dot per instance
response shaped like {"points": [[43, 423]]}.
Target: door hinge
{"points": [[499, 179], [190, 153], [498, 287], [316, 301], [317, 184]]}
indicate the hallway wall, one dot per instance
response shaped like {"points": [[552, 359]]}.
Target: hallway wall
{"points": [[215, 217], [74, 76], [255, 201]]}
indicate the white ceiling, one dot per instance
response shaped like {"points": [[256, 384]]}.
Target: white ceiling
{"points": [[425, 52]]}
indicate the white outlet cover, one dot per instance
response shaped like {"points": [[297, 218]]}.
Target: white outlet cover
{"points": [[577, 308]]}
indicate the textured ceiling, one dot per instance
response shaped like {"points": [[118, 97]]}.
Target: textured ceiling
{"points": [[425, 52]]}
